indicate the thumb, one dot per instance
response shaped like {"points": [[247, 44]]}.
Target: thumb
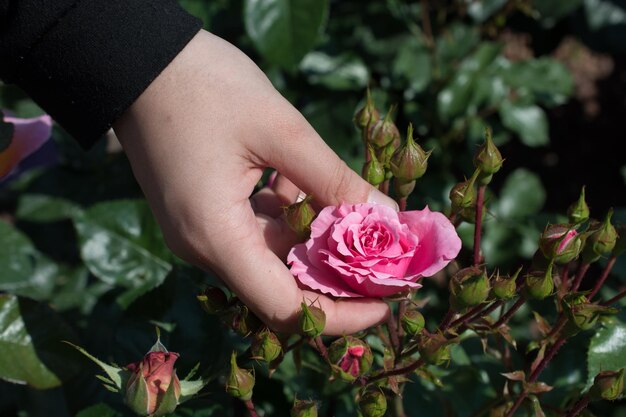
{"points": [[301, 155]]}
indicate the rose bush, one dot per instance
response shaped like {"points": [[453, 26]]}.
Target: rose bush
{"points": [[372, 250]]}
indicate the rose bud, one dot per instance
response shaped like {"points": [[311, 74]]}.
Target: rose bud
{"points": [[600, 239], [304, 408], [469, 287], [20, 138], [505, 287], [373, 170], [468, 214], [383, 131], [372, 403], [311, 320], [350, 358], [539, 284], [581, 313], [265, 346], [463, 194], [607, 385], [213, 300], [153, 387], [620, 243], [488, 158], [434, 349], [412, 321], [240, 381], [578, 212], [402, 188], [384, 155], [239, 318], [366, 114], [409, 162], [561, 243], [299, 217]]}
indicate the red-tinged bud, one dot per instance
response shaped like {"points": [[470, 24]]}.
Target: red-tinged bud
{"points": [[213, 300], [384, 154], [578, 212], [463, 194], [299, 217], [366, 114], [607, 385], [434, 349], [600, 239], [373, 170], [350, 358], [488, 158], [265, 346], [372, 402], [539, 284], [240, 381], [469, 287], [505, 287], [412, 321], [304, 408], [311, 320], [403, 188], [409, 162], [383, 131], [561, 243]]}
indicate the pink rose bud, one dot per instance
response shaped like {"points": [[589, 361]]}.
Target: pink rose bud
{"points": [[383, 131], [578, 212], [350, 358], [299, 217], [373, 171], [410, 161], [600, 239], [240, 381], [488, 158], [303, 408], [366, 114], [312, 320], [153, 387], [607, 385], [561, 243], [19, 138], [372, 402]]}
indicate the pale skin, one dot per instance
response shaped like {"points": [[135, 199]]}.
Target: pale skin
{"points": [[198, 139]]}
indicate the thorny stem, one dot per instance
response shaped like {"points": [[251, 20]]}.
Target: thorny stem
{"points": [[445, 323], [401, 311], [603, 277], [393, 335], [578, 407], [507, 316], [480, 199], [615, 299], [398, 406], [251, 409], [321, 347], [564, 280], [384, 187], [465, 317], [392, 372], [580, 274]]}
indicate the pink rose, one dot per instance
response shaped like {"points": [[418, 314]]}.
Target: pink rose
{"points": [[156, 371], [28, 136], [372, 250]]}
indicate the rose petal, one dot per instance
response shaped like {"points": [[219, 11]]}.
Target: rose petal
{"points": [[30, 135]]}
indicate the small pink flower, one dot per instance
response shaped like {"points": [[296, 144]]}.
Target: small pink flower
{"points": [[29, 135], [566, 241], [373, 251], [156, 370], [349, 363]]}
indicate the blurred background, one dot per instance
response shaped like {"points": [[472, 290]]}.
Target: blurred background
{"points": [[549, 77]]}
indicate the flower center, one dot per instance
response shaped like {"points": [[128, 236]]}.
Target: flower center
{"points": [[374, 238]]}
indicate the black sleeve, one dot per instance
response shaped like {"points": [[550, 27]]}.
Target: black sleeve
{"points": [[86, 61]]}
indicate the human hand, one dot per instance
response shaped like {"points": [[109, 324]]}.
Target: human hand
{"points": [[198, 140]]}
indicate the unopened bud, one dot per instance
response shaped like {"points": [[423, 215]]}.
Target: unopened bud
{"points": [[469, 287], [373, 403], [213, 300], [410, 161], [350, 358], [240, 381], [500, 410], [373, 170], [383, 131], [505, 287], [539, 284], [265, 346], [607, 385], [384, 154], [299, 217], [403, 188], [366, 114], [600, 239], [434, 349], [311, 320], [412, 321], [583, 314], [578, 212], [463, 194], [561, 243], [241, 319], [488, 158], [304, 408]]}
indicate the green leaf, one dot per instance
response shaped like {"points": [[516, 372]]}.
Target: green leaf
{"points": [[44, 208], [30, 342], [413, 65], [338, 72], [98, 410], [547, 79], [528, 121], [120, 243], [453, 45], [550, 12], [117, 376], [483, 10], [522, 195], [283, 31], [603, 13], [6, 133], [607, 350]]}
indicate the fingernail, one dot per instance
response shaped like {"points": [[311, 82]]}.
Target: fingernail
{"points": [[378, 197]]}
